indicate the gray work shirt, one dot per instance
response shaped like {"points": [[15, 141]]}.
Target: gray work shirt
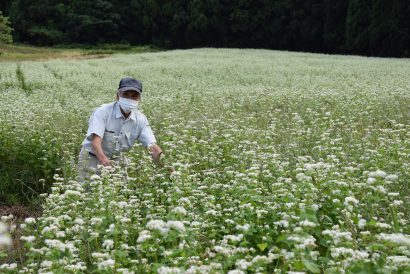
{"points": [[118, 134]]}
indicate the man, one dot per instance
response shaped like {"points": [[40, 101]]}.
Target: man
{"points": [[114, 127]]}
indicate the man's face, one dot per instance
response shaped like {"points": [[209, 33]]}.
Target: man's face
{"points": [[129, 94]]}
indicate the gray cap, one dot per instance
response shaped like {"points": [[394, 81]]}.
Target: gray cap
{"points": [[129, 83]]}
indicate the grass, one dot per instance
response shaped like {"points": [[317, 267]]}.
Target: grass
{"points": [[21, 52]]}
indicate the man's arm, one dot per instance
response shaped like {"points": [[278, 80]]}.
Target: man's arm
{"points": [[96, 143], [156, 153]]}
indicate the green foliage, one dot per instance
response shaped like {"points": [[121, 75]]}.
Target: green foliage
{"points": [[378, 27], [355, 26], [27, 164], [45, 35], [5, 30], [334, 34]]}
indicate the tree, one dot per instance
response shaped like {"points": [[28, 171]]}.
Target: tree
{"points": [[91, 22], [357, 26], [387, 30], [5, 30], [334, 25], [370, 27], [35, 21]]}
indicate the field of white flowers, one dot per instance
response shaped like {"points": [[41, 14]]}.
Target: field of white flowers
{"points": [[285, 163]]}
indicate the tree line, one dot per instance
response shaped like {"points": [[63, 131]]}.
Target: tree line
{"points": [[366, 27]]}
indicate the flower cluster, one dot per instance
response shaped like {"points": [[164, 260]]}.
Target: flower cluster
{"points": [[4, 238]]}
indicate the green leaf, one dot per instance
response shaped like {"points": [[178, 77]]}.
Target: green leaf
{"points": [[262, 246], [377, 247], [371, 223], [311, 266], [120, 254], [324, 242], [324, 260]]}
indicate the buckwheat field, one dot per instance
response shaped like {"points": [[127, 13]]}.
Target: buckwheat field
{"points": [[285, 163]]}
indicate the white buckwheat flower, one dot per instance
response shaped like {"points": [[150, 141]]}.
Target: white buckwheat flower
{"points": [[30, 220], [144, 235], [169, 270], [108, 244], [4, 239], [28, 239], [177, 225], [391, 178], [243, 228], [397, 238], [179, 210], [377, 173]]}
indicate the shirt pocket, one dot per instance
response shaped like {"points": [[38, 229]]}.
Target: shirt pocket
{"points": [[111, 142], [128, 137], [134, 135]]}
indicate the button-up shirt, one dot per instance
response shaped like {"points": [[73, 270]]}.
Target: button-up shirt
{"points": [[118, 134]]}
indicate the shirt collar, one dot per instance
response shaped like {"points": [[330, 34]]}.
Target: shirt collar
{"points": [[118, 113]]}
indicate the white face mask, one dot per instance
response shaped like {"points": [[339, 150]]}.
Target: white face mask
{"points": [[127, 104]]}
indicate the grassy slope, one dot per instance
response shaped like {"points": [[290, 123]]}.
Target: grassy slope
{"points": [[20, 52]]}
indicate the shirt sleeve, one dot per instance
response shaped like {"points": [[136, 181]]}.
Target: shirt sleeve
{"points": [[146, 136], [96, 124]]}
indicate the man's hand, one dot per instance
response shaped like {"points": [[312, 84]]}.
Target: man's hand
{"points": [[155, 152], [96, 142], [105, 161], [157, 157], [171, 169]]}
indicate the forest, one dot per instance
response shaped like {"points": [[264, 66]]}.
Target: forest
{"points": [[372, 28]]}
